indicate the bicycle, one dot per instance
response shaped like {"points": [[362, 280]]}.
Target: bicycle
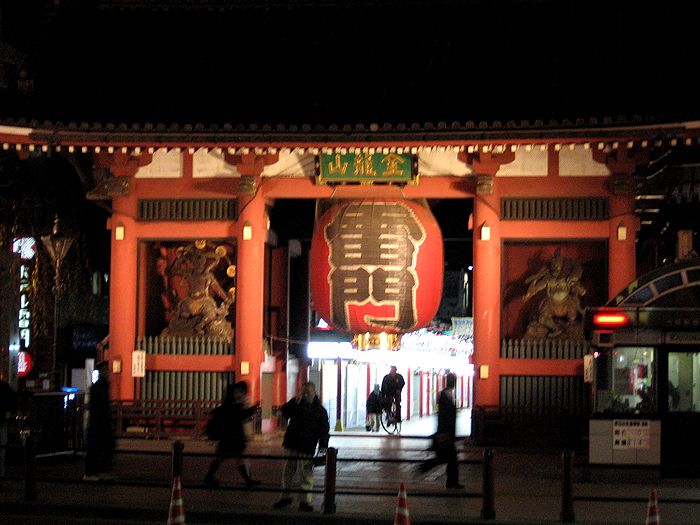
{"points": [[390, 418]]}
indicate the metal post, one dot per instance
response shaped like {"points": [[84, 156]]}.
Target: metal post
{"points": [[567, 489], [329, 485], [57, 246], [488, 509], [56, 376], [339, 398], [29, 467], [178, 447]]}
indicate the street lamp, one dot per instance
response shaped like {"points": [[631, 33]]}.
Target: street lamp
{"points": [[57, 245]]}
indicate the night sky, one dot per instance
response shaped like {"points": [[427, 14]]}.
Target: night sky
{"points": [[325, 62]]}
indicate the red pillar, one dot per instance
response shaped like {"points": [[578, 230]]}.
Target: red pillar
{"points": [[421, 395], [622, 255], [408, 395], [487, 271], [623, 223], [122, 298], [251, 267], [250, 287], [430, 396], [123, 270], [370, 387], [487, 304]]}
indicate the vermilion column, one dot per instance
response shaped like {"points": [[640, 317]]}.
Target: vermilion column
{"points": [[122, 297], [487, 274], [123, 272], [487, 300], [250, 279], [624, 224], [249, 294]]}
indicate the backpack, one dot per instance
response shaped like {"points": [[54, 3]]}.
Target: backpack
{"points": [[215, 426]]}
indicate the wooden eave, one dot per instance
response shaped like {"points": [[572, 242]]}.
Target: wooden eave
{"points": [[263, 139]]}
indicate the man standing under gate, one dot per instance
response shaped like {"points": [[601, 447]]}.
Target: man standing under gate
{"points": [[101, 441], [307, 427]]}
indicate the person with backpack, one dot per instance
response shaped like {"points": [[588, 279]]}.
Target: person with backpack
{"points": [[226, 427], [374, 409]]}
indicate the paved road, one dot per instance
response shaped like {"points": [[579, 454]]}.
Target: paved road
{"points": [[528, 487]]}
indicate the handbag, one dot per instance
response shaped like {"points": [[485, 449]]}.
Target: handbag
{"points": [[319, 459]]}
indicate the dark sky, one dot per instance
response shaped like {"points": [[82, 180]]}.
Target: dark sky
{"points": [[323, 62]]}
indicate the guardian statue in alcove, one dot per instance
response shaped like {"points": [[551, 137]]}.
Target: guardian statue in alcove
{"points": [[198, 314], [560, 308]]}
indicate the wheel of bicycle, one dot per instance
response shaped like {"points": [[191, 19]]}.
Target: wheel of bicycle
{"points": [[388, 423]]}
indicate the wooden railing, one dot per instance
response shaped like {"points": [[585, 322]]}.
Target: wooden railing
{"points": [[157, 418], [544, 348]]}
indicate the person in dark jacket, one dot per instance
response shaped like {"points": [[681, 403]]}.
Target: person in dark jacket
{"points": [[374, 409], [392, 385], [233, 441], [444, 438], [307, 428], [101, 442]]}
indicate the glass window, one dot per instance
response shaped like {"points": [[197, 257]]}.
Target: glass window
{"points": [[625, 380], [684, 381]]}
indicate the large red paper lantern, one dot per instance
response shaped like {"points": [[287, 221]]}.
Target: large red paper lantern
{"points": [[377, 266]]}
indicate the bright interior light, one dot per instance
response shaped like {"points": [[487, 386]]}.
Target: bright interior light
{"points": [[418, 352], [485, 232], [119, 233], [247, 232]]}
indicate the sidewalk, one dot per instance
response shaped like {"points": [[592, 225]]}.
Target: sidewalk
{"points": [[527, 487]]}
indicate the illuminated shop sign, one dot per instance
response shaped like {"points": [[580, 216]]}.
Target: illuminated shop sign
{"points": [[25, 247], [366, 168], [24, 363]]}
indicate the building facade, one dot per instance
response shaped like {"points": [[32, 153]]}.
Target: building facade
{"points": [[199, 290]]}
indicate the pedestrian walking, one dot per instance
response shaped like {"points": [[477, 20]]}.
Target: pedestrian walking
{"points": [[374, 409], [100, 434], [444, 438], [307, 428], [8, 406], [228, 419]]}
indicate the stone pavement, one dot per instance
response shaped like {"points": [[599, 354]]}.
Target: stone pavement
{"points": [[527, 487]]}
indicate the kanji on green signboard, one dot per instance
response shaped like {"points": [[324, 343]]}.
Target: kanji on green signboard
{"points": [[365, 168]]}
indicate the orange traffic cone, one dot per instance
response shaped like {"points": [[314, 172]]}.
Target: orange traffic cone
{"points": [[402, 516], [653, 517], [176, 513]]}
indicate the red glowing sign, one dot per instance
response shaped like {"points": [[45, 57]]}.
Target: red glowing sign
{"points": [[24, 363], [377, 266], [611, 320]]}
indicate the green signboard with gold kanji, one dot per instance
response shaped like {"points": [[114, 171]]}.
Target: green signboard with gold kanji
{"points": [[366, 168]]}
